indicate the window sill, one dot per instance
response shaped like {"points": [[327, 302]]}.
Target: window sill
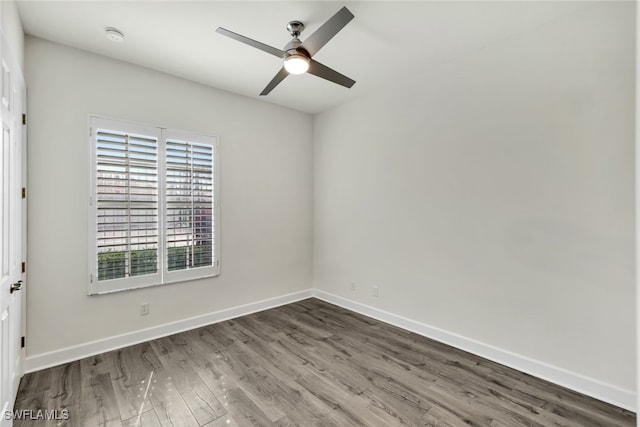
{"points": [[95, 292]]}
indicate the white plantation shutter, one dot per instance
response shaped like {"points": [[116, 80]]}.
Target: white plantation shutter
{"points": [[131, 166], [190, 205]]}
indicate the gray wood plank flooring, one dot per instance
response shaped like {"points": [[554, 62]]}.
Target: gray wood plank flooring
{"points": [[304, 364]]}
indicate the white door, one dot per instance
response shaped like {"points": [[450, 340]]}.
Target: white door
{"points": [[12, 208]]}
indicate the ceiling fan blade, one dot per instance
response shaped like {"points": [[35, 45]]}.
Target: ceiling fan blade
{"points": [[320, 70], [322, 35], [275, 81], [246, 40]]}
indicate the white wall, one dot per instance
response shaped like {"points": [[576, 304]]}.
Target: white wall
{"points": [[266, 188], [12, 30], [493, 196]]}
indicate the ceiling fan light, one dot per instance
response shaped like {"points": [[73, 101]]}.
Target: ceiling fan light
{"points": [[296, 64]]}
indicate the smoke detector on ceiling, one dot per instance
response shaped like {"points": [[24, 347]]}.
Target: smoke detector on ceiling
{"points": [[114, 34]]}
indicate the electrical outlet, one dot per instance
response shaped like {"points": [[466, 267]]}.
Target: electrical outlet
{"points": [[353, 286], [144, 309], [375, 291]]}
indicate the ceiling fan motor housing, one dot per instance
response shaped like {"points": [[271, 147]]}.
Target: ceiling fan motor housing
{"points": [[293, 47]]}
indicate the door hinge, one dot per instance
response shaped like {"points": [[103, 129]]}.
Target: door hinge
{"points": [[24, 192], [24, 119], [91, 278], [24, 267], [23, 342]]}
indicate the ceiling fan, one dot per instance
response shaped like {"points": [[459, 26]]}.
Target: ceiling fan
{"points": [[297, 55]]}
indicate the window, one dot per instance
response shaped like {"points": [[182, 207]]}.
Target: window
{"points": [[153, 206]]}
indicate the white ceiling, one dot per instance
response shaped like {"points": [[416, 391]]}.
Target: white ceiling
{"points": [[383, 44]]}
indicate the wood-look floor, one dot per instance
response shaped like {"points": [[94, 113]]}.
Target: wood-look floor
{"points": [[305, 364]]}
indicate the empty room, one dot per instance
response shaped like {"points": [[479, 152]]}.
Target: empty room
{"points": [[318, 213]]}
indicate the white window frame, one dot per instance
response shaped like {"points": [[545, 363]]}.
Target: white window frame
{"points": [[163, 276]]}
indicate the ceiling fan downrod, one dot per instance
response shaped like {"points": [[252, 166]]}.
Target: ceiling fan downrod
{"points": [[295, 28]]}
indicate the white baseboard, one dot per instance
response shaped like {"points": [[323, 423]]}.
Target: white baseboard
{"points": [[80, 351], [591, 387]]}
